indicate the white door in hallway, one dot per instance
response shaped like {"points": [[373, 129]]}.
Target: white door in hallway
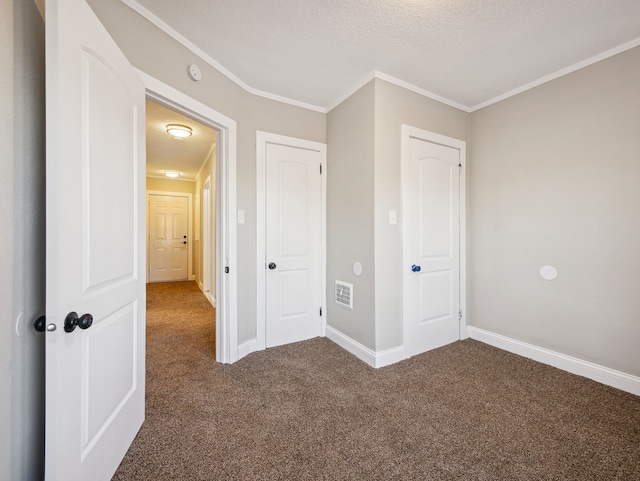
{"points": [[431, 195], [168, 238], [293, 247], [95, 247]]}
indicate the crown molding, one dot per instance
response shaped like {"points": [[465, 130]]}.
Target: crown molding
{"points": [[560, 73], [155, 20]]}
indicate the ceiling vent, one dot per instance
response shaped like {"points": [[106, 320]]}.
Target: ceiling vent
{"points": [[344, 294]]}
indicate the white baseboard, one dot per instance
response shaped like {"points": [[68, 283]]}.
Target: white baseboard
{"points": [[210, 298], [373, 358], [596, 372], [247, 347]]}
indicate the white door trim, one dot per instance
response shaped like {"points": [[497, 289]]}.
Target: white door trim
{"points": [[262, 139], [408, 132], [226, 234], [189, 227]]}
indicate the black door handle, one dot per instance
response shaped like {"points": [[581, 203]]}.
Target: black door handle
{"points": [[272, 265], [72, 321]]}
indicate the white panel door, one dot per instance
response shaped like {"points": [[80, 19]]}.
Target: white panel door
{"points": [[431, 241], [95, 247], [168, 227], [293, 244]]}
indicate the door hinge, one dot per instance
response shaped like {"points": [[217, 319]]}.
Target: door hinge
{"points": [[320, 169], [320, 311], [226, 270], [460, 314], [460, 166]]}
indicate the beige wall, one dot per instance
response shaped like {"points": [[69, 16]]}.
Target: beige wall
{"points": [[155, 53], [554, 180], [22, 265], [395, 106], [171, 185], [350, 209]]}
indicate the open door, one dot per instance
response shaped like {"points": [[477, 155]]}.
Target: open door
{"points": [[95, 291]]}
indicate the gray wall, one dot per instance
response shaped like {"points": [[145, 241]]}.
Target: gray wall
{"points": [[154, 52], [21, 241], [6, 242], [395, 106], [350, 213], [554, 178]]}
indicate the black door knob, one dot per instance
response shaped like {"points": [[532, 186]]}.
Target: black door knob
{"points": [[40, 324], [272, 265], [72, 321]]}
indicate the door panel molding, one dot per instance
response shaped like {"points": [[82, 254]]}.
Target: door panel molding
{"points": [[262, 140]]}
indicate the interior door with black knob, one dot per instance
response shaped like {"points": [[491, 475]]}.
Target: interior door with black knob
{"points": [[168, 244], [293, 244], [95, 247]]}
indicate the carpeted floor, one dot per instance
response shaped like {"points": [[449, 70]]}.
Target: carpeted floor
{"points": [[312, 411]]}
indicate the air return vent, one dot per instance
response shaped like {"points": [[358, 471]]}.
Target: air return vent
{"points": [[344, 294]]}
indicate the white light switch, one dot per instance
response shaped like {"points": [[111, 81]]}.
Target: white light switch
{"points": [[393, 220], [240, 217]]}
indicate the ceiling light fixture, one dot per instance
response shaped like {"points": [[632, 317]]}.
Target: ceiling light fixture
{"points": [[172, 173], [179, 131]]}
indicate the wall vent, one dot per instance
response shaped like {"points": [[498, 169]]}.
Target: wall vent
{"points": [[344, 294]]}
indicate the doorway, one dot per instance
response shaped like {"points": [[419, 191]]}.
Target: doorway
{"points": [[176, 168], [221, 205]]}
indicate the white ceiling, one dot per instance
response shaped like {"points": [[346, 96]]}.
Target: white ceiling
{"points": [[467, 53], [164, 152]]}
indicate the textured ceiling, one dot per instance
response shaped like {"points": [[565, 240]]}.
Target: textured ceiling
{"points": [[465, 52], [166, 153]]}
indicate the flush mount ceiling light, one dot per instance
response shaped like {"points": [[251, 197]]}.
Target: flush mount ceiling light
{"points": [[180, 131], [171, 173]]}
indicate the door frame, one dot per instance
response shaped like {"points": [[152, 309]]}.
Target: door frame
{"points": [[407, 133], [206, 241], [262, 139], [225, 191], [189, 227]]}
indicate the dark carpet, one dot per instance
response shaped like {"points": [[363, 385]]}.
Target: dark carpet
{"points": [[312, 411]]}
